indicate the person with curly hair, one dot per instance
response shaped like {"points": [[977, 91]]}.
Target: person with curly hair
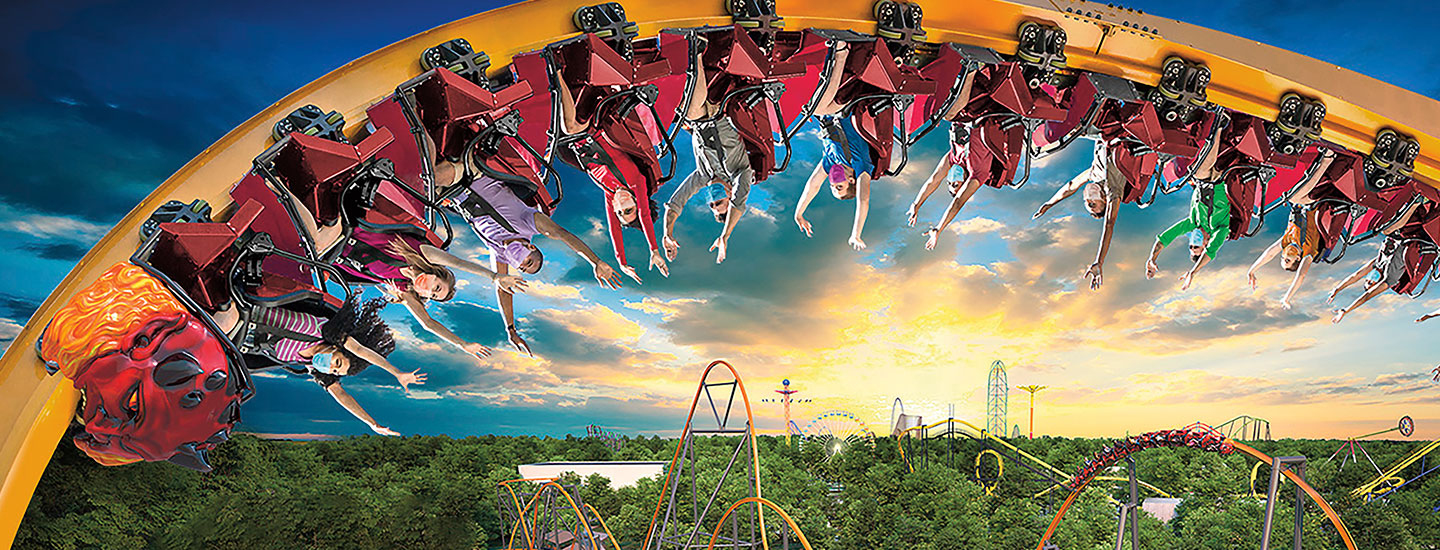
{"points": [[409, 271], [330, 349]]}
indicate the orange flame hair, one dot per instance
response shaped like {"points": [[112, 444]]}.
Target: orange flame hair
{"points": [[98, 318]]}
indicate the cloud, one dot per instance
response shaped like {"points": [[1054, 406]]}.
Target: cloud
{"points": [[46, 226], [1300, 344], [9, 330], [977, 226], [542, 289], [666, 309], [63, 251]]}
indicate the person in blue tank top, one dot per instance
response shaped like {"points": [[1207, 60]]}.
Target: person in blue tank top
{"points": [[845, 161]]}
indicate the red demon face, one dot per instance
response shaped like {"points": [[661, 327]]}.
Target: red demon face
{"points": [[157, 383], [165, 392]]}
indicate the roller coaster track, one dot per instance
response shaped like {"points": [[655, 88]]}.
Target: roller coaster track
{"points": [[1027, 456], [532, 515], [1387, 482], [525, 529], [1262, 457], [672, 531], [1245, 428], [1247, 77]]}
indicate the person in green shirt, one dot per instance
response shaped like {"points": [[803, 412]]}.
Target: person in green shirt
{"points": [[1208, 222]]}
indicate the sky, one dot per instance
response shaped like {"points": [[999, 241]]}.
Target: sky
{"points": [[105, 99]]}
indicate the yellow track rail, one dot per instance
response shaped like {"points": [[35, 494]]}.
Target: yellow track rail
{"points": [[1394, 471], [1246, 76]]}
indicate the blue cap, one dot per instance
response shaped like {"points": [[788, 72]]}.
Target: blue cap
{"points": [[1197, 238], [714, 192], [956, 173]]}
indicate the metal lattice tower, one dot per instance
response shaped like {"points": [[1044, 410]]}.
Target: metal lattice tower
{"points": [[997, 400]]}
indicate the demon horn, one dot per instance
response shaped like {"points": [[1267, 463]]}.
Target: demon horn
{"points": [[188, 456]]}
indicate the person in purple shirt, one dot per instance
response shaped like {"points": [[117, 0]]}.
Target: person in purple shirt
{"points": [[508, 226]]}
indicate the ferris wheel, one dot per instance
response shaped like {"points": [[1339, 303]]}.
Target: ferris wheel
{"points": [[836, 431]]}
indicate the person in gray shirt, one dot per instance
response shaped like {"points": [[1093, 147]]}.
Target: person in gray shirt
{"points": [[1104, 190], [722, 171]]}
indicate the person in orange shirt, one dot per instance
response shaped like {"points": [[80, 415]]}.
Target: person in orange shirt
{"points": [[1302, 244]]}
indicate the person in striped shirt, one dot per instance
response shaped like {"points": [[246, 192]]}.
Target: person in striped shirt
{"points": [[329, 349]]}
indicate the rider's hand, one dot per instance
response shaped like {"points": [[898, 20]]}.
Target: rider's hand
{"points": [[1041, 212], [1339, 316], [718, 247], [912, 214], [932, 237], [672, 248], [477, 350], [630, 271], [657, 262], [383, 430], [856, 243], [606, 276], [1096, 275], [1151, 270], [518, 341], [511, 284], [1254, 283], [412, 377], [804, 225]]}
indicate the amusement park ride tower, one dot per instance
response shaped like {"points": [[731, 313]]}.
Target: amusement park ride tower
{"points": [[786, 397], [1032, 389], [997, 400]]}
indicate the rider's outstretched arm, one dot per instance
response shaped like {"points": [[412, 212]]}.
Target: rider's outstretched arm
{"points": [[862, 205], [417, 310], [1300, 274], [1269, 254], [812, 188], [603, 272], [1353, 278], [1064, 192], [1112, 214], [549, 228], [441, 257], [355, 409], [937, 177]]}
